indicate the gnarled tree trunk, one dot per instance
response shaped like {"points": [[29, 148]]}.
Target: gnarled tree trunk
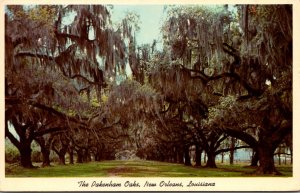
{"points": [[45, 149], [46, 157], [266, 158], [61, 154], [24, 144], [25, 153]]}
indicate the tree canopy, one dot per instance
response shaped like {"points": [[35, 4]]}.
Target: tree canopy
{"points": [[223, 77]]}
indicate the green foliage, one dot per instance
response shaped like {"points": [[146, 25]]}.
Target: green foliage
{"points": [[270, 38], [133, 19], [11, 152], [196, 33], [218, 113], [131, 100], [45, 14]]}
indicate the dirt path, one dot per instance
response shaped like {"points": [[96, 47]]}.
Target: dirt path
{"points": [[117, 170]]}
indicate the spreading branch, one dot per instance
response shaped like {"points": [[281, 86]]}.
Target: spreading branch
{"points": [[49, 130], [34, 55], [55, 112], [205, 79], [250, 140]]}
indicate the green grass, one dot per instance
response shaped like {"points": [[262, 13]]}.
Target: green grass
{"points": [[134, 169]]}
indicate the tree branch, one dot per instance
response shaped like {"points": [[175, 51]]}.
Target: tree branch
{"points": [[54, 149], [15, 100], [53, 111], [11, 137], [12, 101], [50, 130], [284, 129], [72, 37], [247, 138], [35, 55], [231, 51], [219, 141], [205, 79], [282, 154], [84, 78], [200, 75]]}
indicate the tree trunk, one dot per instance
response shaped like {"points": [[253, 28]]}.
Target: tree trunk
{"points": [[46, 157], [254, 159], [204, 159], [291, 148], [232, 145], [84, 157], [279, 155], [45, 149], [285, 159], [87, 155], [62, 160], [266, 159], [61, 155], [98, 155], [24, 145], [187, 159], [79, 156], [222, 157], [198, 155], [180, 157], [70, 150], [71, 154], [25, 153], [175, 157], [211, 160]]}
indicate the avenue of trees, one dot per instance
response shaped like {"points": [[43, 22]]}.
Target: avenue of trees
{"points": [[222, 82]]}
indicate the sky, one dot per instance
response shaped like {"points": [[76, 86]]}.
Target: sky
{"points": [[151, 18]]}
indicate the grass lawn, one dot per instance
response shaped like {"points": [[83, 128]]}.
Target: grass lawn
{"points": [[134, 169]]}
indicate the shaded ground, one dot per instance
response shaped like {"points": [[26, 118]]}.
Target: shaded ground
{"points": [[134, 169], [119, 170]]}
